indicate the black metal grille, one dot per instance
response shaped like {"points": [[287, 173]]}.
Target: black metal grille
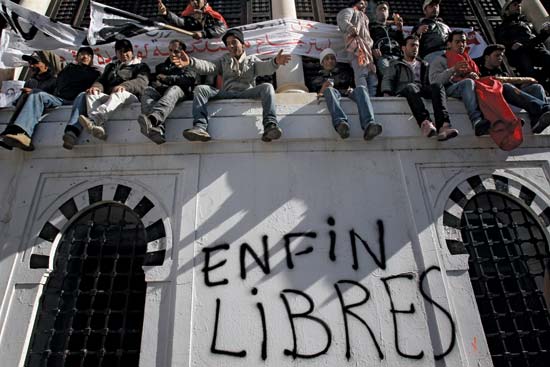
{"points": [[91, 310], [508, 250]]}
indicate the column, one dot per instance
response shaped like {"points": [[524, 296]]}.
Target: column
{"points": [[290, 77], [537, 14]]}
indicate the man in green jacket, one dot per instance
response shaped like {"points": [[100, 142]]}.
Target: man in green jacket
{"points": [[239, 72]]}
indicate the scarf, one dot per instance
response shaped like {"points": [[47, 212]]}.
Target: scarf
{"points": [[189, 11]]}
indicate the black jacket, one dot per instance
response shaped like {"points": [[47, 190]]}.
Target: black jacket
{"points": [[399, 74], [387, 39], [134, 78], [516, 28], [182, 77], [435, 38], [341, 76], [75, 78], [44, 82]]}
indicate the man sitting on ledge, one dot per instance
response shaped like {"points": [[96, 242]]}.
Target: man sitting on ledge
{"points": [[239, 73]]}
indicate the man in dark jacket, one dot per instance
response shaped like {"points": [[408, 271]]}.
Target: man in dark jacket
{"points": [[525, 48], [198, 17], [170, 85], [122, 81], [431, 30], [528, 95], [387, 37], [332, 83], [408, 77], [72, 80]]}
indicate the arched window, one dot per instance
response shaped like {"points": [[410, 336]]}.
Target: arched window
{"points": [[92, 306], [508, 251]]}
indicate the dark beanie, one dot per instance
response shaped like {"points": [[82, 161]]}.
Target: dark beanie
{"points": [[123, 44], [235, 33], [86, 49]]}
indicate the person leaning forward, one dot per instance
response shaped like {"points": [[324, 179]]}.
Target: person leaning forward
{"points": [[122, 81], [239, 72]]}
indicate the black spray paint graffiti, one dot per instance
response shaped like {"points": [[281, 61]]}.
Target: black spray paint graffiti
{"points": [[348, 311]]}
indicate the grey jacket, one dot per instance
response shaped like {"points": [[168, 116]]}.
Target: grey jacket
{"points": [[400, 74], [440, 73], [237, 75]]}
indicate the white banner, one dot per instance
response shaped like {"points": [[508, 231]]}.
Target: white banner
{"points": [[294, 36]]}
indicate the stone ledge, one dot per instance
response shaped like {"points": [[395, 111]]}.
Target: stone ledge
{"points": [[302, 117]]}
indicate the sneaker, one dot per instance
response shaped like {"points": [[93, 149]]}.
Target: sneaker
{"points": [[482, 127], [373, 129], [69, 140], [542, 123], [196, 134], [343, 129], [446, 132], [271, 132], [21, 141], [428, 129], [144, 124], [89, 125]]}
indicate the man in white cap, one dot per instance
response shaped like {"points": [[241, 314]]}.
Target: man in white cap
{"points": [[333, 82], [431, 30], [525, 47]]}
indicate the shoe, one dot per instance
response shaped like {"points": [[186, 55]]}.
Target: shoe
{"points": [[271, 132], [482, 127], [89, 125], [373, 129], [69, 140], [343, 129], [21, 141], [542, 123], [428, 129], [196, 134], [144, 124], [446, 132]]}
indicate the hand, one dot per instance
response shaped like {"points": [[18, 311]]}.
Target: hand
{"points": [[461, 67], [162, 8], [161, 77], [376, 53], [118, 89], [26, 90], [398, 21], [422, 29], [282, 59], [371, 68], [93, 90], [516, 45], [472, 75], [197, 35], [353, 31], [181, 61]]}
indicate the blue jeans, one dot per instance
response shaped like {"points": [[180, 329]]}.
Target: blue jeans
{"points": [[359, 95], [515, 96], [465, 90], [363, 77], [536, 90], [79, 108], [161, 106], [203, 93], [34, 107]]}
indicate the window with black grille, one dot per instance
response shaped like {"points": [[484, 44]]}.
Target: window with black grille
{"points": [[508, 250], [91, 310]]}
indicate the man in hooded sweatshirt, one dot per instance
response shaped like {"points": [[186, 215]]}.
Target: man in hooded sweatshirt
{"points": [[122, 81], [239, 72]]}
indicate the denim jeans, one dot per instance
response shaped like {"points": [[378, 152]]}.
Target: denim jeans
{"points": [[79, 108], [436, 92], [101, 106], [364, 78], [515, 96], [34, 107], [203, 93], [359, 95], [161, 106], [536, 90], [465, 90]]}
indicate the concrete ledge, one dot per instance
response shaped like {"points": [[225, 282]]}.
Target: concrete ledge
{"points": [[302, 117]]}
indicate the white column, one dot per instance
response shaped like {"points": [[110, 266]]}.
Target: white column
{"points": [[290, 78], [39, 6], [536, 13]]}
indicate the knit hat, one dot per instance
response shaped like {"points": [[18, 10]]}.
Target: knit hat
{"points": [[123, 44], [428, 2], [235, 33], [507, 5], [325, 52], [86, 49]]}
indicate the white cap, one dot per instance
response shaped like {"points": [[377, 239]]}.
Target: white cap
{"points": [[325, 52]]}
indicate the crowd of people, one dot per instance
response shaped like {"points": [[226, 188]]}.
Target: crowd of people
{"points": [[431, 63]]}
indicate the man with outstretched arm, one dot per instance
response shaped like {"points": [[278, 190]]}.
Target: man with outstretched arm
{"points": [[239, 72]]}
